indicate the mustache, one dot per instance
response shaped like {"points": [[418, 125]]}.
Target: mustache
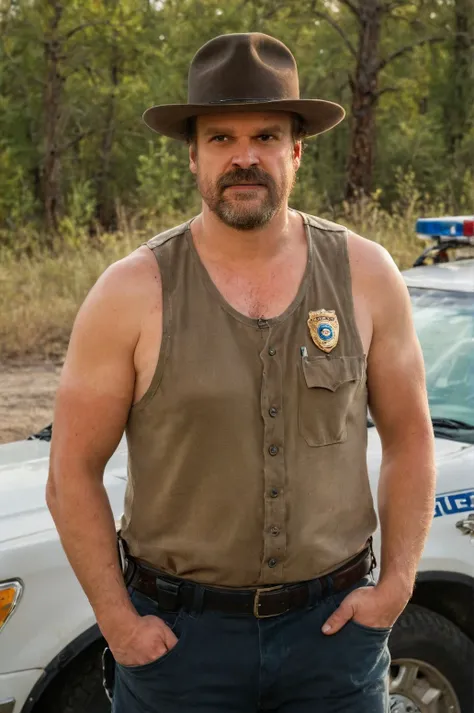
{"points": [[251, 175]]}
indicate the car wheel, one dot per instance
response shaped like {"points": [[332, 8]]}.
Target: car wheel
{"points": [[432, 664], [79, 688]]}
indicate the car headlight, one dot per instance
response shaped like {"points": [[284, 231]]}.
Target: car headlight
{"points": [[10, 593]]}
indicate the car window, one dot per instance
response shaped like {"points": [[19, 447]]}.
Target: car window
{"points": [[444, 322]]}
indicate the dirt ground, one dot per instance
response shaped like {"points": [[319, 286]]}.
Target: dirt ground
{"points": [[26, 398]]}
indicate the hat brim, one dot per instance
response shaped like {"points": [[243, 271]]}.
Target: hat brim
{"points": [[171, 120]]}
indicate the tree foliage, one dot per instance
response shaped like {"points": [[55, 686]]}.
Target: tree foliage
{"points": [[76, 76]]}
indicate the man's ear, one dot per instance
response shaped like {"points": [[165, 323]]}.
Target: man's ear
{"points": [[297, 154], [192, 157]]}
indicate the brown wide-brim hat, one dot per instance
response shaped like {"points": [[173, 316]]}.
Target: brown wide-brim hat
{"points": [[242, 73]]}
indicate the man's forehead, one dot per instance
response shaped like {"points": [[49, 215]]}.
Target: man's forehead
{"points": [[250, 119]]}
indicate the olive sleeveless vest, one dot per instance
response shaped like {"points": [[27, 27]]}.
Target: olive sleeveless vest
{"points": [[247, 454]]}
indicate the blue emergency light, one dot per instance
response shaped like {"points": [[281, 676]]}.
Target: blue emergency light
{"points": [[451, 228]]}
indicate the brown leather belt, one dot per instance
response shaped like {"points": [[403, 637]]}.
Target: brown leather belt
{"points": [[172, 593]]}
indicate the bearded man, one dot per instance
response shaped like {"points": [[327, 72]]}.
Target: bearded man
{"points": [[239, 352]]}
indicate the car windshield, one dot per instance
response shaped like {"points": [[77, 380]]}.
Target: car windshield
{"points": [[444, 321]]}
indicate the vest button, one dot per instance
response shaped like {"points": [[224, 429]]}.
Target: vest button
{"points": [[273, 450], [272, 351], [272, 562], [275, 531], [274, 493], [273, 412]]}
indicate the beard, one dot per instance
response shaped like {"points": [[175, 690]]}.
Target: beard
{"points": [[247, 210]]}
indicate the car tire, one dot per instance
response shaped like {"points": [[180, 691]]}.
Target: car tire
{"points": [[79, 688], [438, 649]]}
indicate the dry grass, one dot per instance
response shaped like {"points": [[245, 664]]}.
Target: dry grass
{"points": [[41, 293], [395, 232]]}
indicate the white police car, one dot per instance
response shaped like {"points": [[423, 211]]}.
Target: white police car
{"points": [[50, 646], [432, 644]]}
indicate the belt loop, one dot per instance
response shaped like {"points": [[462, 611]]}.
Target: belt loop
{"points": [[316, 591], [327, 586], [167, 594], [198, 598]]}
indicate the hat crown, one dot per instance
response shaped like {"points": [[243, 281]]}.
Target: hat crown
{"points": [[242, 67], [238, 73]]}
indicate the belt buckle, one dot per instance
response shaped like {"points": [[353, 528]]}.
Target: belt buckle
{"points": [[256, 602]]}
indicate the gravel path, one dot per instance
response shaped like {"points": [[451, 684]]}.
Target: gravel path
{"points": [[26, 398]]}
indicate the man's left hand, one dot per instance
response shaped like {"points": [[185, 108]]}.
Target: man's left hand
{"points": [[369, 606]]}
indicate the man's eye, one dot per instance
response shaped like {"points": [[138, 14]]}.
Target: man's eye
{"points": [[266, 138], [219, 139]]}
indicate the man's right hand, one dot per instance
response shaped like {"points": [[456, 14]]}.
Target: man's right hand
{"points": [[147, 640]]}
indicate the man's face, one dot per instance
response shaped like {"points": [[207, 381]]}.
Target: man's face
{"points": [[245, 165]]}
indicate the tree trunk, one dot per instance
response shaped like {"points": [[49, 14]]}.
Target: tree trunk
{"points": [[364, 100], [458, 108], [105, 206], [51, 189]]}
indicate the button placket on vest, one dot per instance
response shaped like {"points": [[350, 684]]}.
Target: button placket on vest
{"points": [[274, 534]]}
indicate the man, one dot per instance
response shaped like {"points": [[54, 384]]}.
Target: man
{"points": [[239, 352]]}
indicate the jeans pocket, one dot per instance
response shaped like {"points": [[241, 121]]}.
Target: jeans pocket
{"points": [[338, 598], [377, 630], [175, 620]]}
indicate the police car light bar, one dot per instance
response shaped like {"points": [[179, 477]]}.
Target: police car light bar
{"points": [[458, 229]]}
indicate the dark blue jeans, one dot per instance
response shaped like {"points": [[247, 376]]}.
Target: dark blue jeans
{"points": [[225, 663]]}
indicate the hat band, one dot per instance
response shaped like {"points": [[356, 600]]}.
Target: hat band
{"points": [[245, 100]]}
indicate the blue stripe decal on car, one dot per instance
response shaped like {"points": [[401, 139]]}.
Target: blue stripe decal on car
{"points": [[455, 502]]}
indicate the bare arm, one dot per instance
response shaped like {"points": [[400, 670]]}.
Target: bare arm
{"points": [[399, 406], [95, 394]]}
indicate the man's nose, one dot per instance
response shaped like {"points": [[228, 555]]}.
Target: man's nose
{"points": [[245, 155]]}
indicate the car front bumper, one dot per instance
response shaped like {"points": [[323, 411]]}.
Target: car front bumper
{"points": [[15, 689]]}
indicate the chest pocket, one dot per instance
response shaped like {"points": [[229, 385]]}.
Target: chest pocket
{"points": [[327, 390]]}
